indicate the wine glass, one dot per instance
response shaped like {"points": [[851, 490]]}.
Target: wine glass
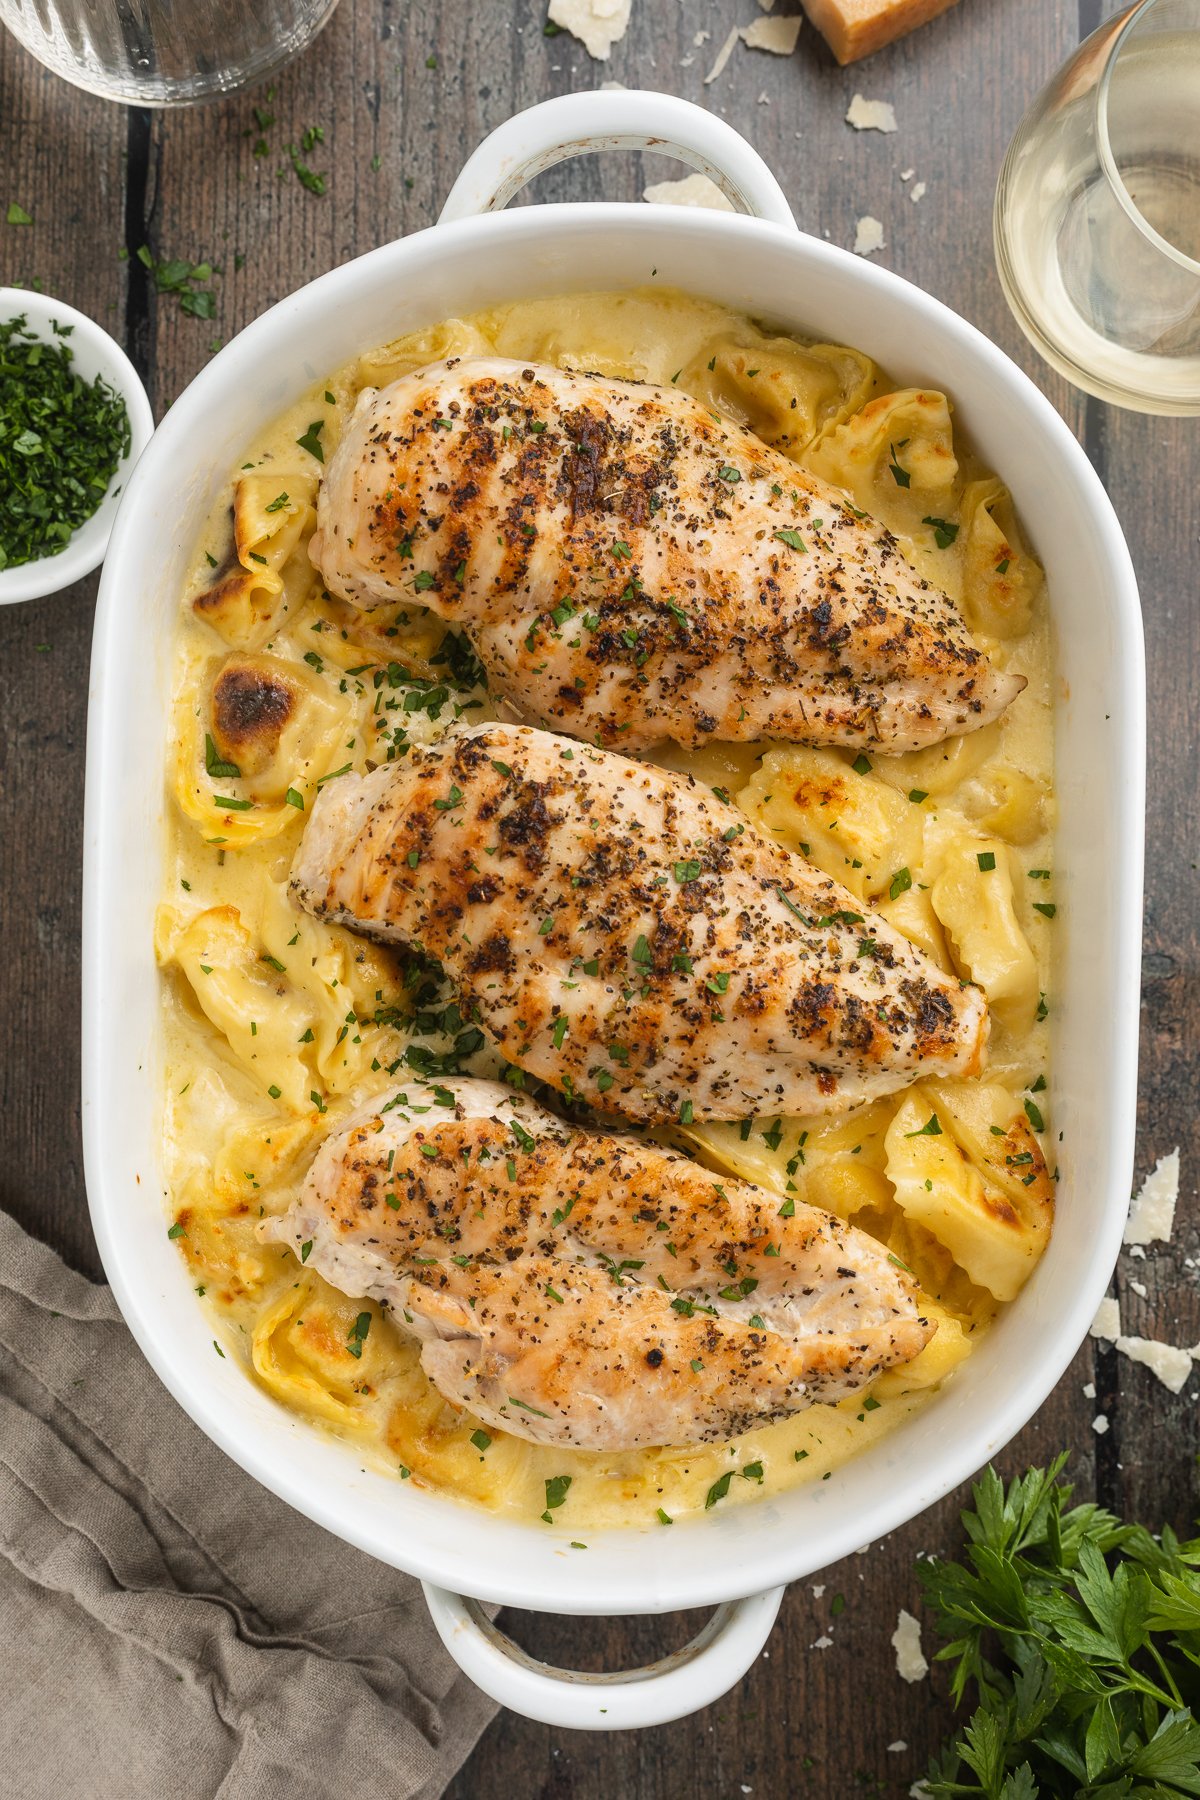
{"points": [[1097, 220], [164, 52]]}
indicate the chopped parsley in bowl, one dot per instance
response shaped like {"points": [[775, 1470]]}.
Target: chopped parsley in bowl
{"points": [[73, 419]]}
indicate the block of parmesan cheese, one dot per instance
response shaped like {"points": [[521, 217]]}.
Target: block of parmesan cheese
{"points": [[856, 28]]}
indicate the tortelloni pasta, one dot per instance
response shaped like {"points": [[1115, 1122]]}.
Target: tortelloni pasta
{"points": [[279, 1025]]}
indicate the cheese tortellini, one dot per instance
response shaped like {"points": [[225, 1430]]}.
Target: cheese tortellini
{"points": [[861, 831], [280, 1024]]}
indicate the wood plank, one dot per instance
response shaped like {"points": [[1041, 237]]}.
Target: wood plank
{"points": [[62, 157]]}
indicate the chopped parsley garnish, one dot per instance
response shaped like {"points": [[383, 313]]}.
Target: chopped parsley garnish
{"points": [[294, 798], [861, 765], [481, 1440], [916, 795], [557, 1488], [686, 1112], [1045, 907], [277, 504], [524, 1406], [901, 476], [61, 439], [729, 473], [311, 441], [214, 763], [1033, 1114], [944, 533], [792, 539], [177, 1230], [900, 884], [986, 860], [687, 871], [186, 280], [358, 1334], [931, 1128], [718, 1490], [306, 1250]]}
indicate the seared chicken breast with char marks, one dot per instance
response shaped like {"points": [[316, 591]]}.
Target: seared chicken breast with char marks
{"points": [[623, 934], [585, 1289], [632, 568]]}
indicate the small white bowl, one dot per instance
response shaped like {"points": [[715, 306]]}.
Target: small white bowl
{"points": [[94, 353]]}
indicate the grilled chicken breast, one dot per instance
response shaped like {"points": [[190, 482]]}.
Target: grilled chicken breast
{"points": [[632, 568], [579, 1288], [625, 935]]}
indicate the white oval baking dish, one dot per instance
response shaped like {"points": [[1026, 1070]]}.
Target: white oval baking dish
{"points": [[475, 257]]}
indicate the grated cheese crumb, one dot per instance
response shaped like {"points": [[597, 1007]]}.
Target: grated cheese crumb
{"points": [[700, 38], [1089, 1390], [907, 174], [723, 56], [871, 115], [818, 1590], [1171, 1364], [1152, 1212], [897, 1748], [906, 1642], [692, 190], [823, 1643], [1107, 1323], [868, 236], [918, 191], [777, 34], [598, 24], [1139, 1288], [1100, 1424]]}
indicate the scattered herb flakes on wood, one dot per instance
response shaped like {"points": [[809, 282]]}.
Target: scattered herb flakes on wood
{"points": [[1081, 1638], [187, 280], [61, 439]]}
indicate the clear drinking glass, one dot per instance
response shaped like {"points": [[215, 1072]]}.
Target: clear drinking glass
{"points": [[1098, 212], [164, 52]]}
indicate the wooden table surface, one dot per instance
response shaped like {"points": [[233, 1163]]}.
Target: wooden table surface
{"points": [[417, 85]]}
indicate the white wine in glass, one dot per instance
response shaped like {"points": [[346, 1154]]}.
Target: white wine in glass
{"points": [[1098, 213]]}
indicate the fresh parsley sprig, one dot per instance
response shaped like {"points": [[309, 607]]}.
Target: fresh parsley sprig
{"points": [[1080, 1636]]}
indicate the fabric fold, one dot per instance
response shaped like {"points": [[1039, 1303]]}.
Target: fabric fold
{"points": [[169, 1625]]}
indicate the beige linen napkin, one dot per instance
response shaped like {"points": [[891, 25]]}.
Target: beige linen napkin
{"points": [[169, 1628]]}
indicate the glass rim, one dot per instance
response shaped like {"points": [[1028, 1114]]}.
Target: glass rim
{"points": [[1108, 160]]}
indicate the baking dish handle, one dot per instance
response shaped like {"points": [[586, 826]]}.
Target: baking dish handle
{"points": [[679, 1684], [609, 119]]}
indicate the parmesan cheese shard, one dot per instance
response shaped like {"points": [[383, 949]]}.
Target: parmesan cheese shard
{"points": [[692, 190], [906, 1642], [777, 34], [918, 191], [598, 24], [723, 56], [868, 236], [1152, 1214], [1107, 1323], [1100, 1424], [1171, 1364], [857, 28], [871, 115]]}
